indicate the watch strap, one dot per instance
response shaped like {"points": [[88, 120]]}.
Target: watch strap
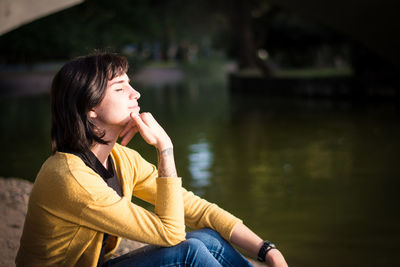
{"points": [[267, 246]]}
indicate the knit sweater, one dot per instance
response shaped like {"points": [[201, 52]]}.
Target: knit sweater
{"points": [[71, 207]]}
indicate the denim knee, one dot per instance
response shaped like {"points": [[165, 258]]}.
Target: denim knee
{"points": [[210, 232], [193, 248], [192, 243], [218, 247], [208, 236]]}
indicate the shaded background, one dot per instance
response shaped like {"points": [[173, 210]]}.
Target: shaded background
{"points": [[286, 115]]}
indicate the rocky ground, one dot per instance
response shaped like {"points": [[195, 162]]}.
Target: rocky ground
{"points": [[14, 195]]}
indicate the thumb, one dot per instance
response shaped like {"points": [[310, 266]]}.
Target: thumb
{"points": [[137, 120]]}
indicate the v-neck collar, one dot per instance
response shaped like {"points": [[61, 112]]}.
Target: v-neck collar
{"points": [[90, 159]]}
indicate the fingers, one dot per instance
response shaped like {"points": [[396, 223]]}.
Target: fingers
{"points": [[137, 120], [145, 129], [146, 123], [127, 128], [149, 129], [148, 119], [144, 120], [128, 132], [128, 135]]}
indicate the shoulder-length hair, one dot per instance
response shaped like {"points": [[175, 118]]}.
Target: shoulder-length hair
{"points": [[79, 86]]}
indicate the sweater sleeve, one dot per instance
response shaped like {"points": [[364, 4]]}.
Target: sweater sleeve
{"points": [[199, 213], [120, 217], [104, 210]]}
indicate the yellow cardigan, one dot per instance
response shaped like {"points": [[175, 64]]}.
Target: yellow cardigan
{"points": [[71, 206]]}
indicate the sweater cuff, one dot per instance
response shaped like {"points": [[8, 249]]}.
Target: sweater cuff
{"points": [[226, 233], [167, 180], [168, 202]]}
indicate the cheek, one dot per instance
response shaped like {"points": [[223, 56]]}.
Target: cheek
{"points": [[110, 112], [119, 115]]}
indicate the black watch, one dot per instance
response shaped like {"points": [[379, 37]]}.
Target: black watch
{"points": [[267, 246]]}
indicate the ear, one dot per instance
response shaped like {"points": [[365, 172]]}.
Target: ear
{"points": [[92, 114]]}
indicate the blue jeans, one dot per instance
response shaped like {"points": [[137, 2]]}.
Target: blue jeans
{"points": [[203, 247]]}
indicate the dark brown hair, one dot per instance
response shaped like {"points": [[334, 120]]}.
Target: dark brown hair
{"points": [[79, 86]]}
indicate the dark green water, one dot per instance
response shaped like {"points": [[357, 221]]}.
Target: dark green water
{"points": [[319, 178]]}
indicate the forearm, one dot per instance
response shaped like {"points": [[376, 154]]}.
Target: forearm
{"points": [[166, 162], [199, 213], [246, 239]]}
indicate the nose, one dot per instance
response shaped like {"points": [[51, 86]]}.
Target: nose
{"points": [[134, 94]]}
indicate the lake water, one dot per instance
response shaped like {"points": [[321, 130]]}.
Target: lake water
{"points": [[317, 177]]}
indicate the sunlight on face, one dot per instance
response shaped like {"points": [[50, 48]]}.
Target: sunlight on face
{"points": [[119, 102]]}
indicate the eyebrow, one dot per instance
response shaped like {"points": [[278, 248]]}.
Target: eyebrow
{"points": [[120, 81]]}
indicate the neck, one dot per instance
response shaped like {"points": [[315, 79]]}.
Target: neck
{"points": [[102, 151]]}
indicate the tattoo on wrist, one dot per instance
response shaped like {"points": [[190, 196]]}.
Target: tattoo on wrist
{"points": [[166, 164], [167, 152]]}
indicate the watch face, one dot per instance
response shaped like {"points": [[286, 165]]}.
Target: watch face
{"points": [[272, 245]]}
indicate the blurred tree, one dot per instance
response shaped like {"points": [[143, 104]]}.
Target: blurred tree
{"points": [[251, 31], [80, 29], [109, 25]]}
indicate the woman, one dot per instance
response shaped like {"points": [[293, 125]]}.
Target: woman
{"points": [[80, 205]]}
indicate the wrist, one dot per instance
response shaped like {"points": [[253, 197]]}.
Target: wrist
{"points": [[270, 256], [275, 258], [164, 145]]}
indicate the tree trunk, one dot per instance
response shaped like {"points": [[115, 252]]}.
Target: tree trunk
{"points": [[244, 39], [243, 34]]}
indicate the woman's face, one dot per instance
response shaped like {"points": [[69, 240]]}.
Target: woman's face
{"points": [[119, 102]]}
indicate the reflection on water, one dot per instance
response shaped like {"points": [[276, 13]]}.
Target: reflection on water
{"points": [[200, 161], [320, 178]]}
